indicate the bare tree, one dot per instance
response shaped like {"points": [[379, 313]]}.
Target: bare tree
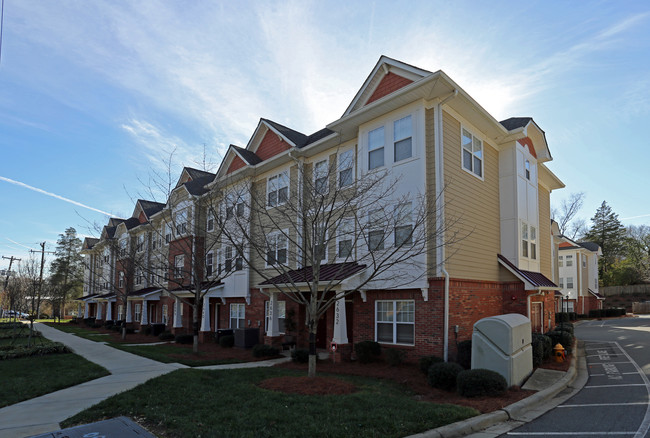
{"points": [[328, 233], [565, 216]]}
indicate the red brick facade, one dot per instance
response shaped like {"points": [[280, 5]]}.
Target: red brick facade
{"points": [[390, 83]]}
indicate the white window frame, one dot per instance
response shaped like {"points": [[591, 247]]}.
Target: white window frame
{"points": [[179, 265], [345, 232], [345, 163], [394, 321], [123, 247], [182, 221], [379, 132], [138, 276], [569, 282], [402, 138], [525, 251], [374, 230], [137, 313], [209, 221], [403, 219], [272, 240], [282, 314], [473, 153], [321, 177], [532, 242], [238, 314], [569, 260], [232, 258], [561, 283], [584, 261], [167, 229], [120, 312], [527, 169], [560, 261], [121, 280], [209, 264], [274, 185], [139, 246]]}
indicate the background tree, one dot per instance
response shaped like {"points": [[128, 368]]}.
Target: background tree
{"points": [[307, 239], [608, 232], [565, 215], [66, 271]]}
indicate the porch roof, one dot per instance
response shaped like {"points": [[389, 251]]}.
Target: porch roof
{"points": [[596, 294], [144, 292], [87, 297], [532, 280], [328, 272]]}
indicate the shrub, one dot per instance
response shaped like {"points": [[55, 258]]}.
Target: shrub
{"points": [[443, 375], [108, 325], [464, 356], [74, 321], [130, 331], [367, 351], [95, 325], [595, 313], [146, 330], [11, 325], [480, 382], [542, 348], [184, 339], [227, 341], [263, 350], [560, 337], [43, 316], [89, 321], [427, 361], [561, 317], [300, 355], [564, 327], [394, 357], [37, 350], [166, 336]]}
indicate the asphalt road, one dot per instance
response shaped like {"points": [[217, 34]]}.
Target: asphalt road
{"points": [[616, 399]]}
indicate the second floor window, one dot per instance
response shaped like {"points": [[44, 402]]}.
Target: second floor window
{"points": [[138, 276], [209, 260], [472, 150], [179, 265], [139, 247], [233, 261], [277, 189], [120, 281], [346, 168], [569, 282], [168, 233], [402, 137], [181, 223], [345, 238], [277, 249], [403, 224], [569, 261], [529, 242], [210, 222], [376, 148], [560, 261], [376, 235], [320, 177]]}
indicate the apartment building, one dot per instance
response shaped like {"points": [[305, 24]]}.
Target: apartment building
{"points": [[578, 276], [411, 217]]}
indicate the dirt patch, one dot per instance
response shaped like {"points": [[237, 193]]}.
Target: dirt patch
{"points": [[409, 375], [308, 386]]}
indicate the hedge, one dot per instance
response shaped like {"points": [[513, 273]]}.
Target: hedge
{"points": [[480, 382], [36, 350]]}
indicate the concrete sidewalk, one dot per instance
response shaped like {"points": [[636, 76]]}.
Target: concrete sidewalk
{"points": [[43, 414]]}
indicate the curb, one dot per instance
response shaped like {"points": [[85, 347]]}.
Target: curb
{"points": [[510, 412]]}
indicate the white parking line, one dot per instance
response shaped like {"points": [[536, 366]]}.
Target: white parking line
{"points": [[615, 386], [645, 424], [568, 433], [600, 405]]}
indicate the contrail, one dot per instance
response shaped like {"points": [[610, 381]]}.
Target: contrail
{"points": [[53, 195], [634, 217]]}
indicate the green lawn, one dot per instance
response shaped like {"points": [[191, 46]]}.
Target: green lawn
{"points": [[191, 403], [23, 341], [168, 353], [81, 331], [29, 377]]}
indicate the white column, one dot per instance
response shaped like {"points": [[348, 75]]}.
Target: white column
{"points": [[128, 312], [86, 310], [145, 313], [99, 310], [274, 324], [205, 315], [78, 310], [340, 321], [109, 311], [178, 321]]}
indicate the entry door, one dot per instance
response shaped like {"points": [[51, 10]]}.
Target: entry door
{"points": [[536, 317], [152, 313]]}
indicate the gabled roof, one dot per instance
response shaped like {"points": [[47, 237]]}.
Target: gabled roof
{"points": [[191, 174], [571, 244], [150, 207], [515, 122], [197, 186], [89, 242], [591, 246], [532, 280], [328, 272], [596, 294], [248, 156], [536, 135]]}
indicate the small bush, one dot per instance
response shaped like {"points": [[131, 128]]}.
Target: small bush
{"points": [[89, 321], [560, 337], [542, 348], [95, 325], [394, 357], [300, 355], [74, 321], [443, 375], [130, 331], [367, 351], [146, 330], [166, 336], [11, 325], [184, 339], [565, 327], [43, 316], [464, 356], [108, 325], [480, 382], [596, 313], [263, 350], [37, 350], [427, 361], [227, 341]]}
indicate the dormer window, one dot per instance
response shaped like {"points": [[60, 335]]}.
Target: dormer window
{"points": [[472, 150]]}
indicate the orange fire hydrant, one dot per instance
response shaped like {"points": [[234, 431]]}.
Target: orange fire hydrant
{"points": [[560, 353]]}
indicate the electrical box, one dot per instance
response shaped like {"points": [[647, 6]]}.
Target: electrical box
{"points": [[503, 344]]}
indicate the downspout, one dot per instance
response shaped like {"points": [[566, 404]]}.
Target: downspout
{"points": [[440, 215]]}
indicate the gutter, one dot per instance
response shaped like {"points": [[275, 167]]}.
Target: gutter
{"points": [[440, 214]]}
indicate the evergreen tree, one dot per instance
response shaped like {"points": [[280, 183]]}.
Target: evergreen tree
{"points": [[608, 232], [67, 271]]}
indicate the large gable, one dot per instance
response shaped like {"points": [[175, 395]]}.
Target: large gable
{"points": [[388, 76]]}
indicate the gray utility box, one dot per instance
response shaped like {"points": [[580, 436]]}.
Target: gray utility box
{"points": [[503, 344], [247, 337]]}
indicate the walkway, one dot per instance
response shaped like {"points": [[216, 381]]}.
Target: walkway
{"points": [[43, 414]]}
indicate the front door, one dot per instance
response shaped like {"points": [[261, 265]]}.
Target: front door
{"points": [[536, 317], [152, 314]]}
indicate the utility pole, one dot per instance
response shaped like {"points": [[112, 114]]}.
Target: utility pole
{"points": [[40, 290], [11, 262]]}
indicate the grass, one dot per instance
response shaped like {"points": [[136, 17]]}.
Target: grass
{"points": [[23, 341], [229, 403], [29, 377], [82, 332], [168, 353]]}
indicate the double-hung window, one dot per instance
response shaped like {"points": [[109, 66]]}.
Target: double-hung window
{"points": [[209, 263], [584, 261], [527, 169], [561, 283], [120, 282], [395, 322], [560, 261], [237, 316], [179, 265], [524, 239], [168, 233], [376, 148], [138, 312], [123, 247], [120, 312], [344, 239], [403, 224], [346, 168], [277, 249], [533, 242], [233, 261], [209, 226], [403, 139], [569, 282], [569, 261], [138, 276], [277, 189], [139, 247], [376, 235], [181, 223], [472, 149], [321, 172], [280, 308]]}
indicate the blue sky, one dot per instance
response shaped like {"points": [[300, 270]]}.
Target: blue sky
{"points": [[94, 95]]}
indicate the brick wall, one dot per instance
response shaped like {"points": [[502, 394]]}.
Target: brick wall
{"points": [[390, 83]]}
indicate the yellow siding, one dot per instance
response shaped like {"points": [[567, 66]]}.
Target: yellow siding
{"points": [[472, 209], [430, 150], [545, 237]]}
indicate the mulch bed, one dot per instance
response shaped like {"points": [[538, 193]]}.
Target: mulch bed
{"points": [[408, 375]]}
